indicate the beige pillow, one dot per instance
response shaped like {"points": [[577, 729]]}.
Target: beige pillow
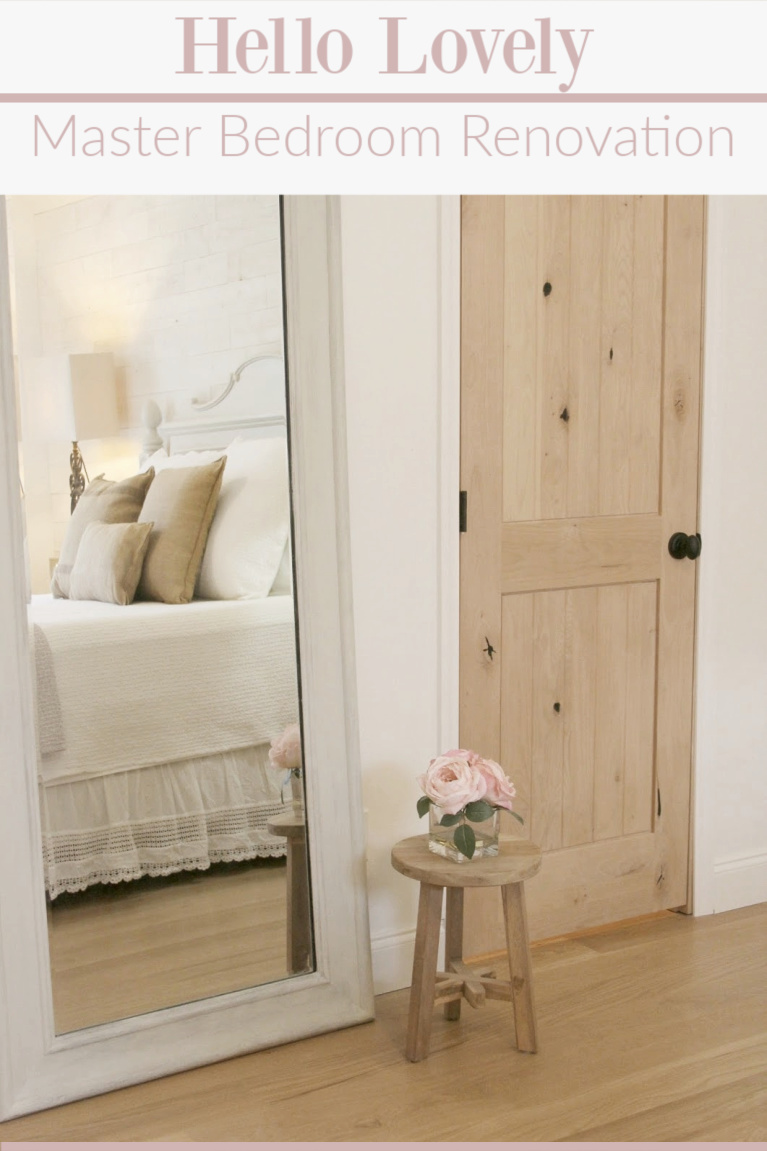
{"points": [[180, 504], [109, 562], [105, 502]]}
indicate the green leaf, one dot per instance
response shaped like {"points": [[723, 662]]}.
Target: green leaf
{"points": [[423, 805], [518, 817], [465, 840], [479, 811], [450, 820]]}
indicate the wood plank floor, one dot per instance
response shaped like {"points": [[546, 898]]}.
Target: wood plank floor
{"points": [[653, 1031]]}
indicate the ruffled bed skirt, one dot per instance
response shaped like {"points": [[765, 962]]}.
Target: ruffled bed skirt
{"points": [[158, 820]]}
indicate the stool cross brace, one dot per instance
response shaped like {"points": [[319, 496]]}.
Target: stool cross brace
{"points": [[473, 986]]}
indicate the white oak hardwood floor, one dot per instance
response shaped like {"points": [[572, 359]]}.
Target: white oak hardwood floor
{"points": [[652, 1031]]}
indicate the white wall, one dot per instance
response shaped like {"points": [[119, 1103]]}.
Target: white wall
{"points": [[399, 363], [401, 402], [731, 735], [181, 289]]}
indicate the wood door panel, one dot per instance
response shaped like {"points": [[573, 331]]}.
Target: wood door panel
{"points": [[581, 336], [578, 711], [622, 877], [616, 878], [584, 277], [578, 553]]}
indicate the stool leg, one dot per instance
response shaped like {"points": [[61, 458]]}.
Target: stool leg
{"points": [[424, 973], [521, 975], [453, 940], [299, 920]]}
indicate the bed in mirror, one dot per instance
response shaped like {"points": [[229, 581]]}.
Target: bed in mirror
{"points": [[173, 733], [164, 639]]}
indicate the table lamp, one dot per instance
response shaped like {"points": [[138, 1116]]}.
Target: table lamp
{"points": [[74, 398]]}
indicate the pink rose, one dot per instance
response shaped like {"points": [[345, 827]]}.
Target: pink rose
{"points": [[461, 753], [285, 751], [499, 789], [451, 782]]}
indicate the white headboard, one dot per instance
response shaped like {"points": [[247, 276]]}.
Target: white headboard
{"points": [[226, 415]]}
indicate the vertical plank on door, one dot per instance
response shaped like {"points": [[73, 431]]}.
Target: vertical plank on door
{"points": [[579, 713], [643, 403], [679, 506], [609, 745], [553, 353], [517, 698], [586, 351], [548, 720], [521, 473], [482, 356], [640, 710], [617, 337]]}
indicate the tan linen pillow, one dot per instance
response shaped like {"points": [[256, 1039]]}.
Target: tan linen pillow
{"points": [[180, 504], [109, 562], [103, 501]]}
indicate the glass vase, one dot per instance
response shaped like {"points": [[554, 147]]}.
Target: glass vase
{"points": [[442, 835], [297, 792]]}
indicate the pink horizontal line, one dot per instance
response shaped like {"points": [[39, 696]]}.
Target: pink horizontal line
{"points": [[382, 98]]}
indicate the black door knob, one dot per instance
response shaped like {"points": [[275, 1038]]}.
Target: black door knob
{"points": [[681, 546], [693, 546]]}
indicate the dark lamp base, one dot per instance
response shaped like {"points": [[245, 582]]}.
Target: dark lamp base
{"points": [[76, 478]]}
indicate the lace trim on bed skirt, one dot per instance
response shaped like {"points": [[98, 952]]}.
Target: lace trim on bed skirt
{"points": [[159, 820], [158, 847]]}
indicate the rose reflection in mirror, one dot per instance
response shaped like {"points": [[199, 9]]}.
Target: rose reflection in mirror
{"points": [[285, 754]]}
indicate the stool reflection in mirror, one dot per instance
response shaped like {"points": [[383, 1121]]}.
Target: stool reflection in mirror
{"points": [[292, 825], [516, 861]]}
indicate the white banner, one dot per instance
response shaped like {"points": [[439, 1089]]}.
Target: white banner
{"points": [[346, 96]]}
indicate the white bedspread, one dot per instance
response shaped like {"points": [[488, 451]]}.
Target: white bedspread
{"points": [[50, 726], [152, 683]]}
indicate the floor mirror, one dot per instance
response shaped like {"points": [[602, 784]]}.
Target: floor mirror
{"points": [[179, 882]]}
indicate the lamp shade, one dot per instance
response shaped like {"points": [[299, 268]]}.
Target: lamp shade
{"points": [[72, 397]]}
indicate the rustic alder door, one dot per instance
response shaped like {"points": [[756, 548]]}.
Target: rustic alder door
{"points": [[581, 348]]}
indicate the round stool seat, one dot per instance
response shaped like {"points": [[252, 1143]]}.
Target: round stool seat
{"points": [[289, 826], [517, 860]]}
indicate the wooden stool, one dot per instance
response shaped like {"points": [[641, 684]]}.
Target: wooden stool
{"points": [[299, 931], [517, 861]]}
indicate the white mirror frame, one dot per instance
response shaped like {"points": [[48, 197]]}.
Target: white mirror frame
{"points": [[39, 1069]]}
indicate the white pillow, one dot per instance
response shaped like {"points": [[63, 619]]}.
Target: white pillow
{"points": [[250, 528], [283, 581]]}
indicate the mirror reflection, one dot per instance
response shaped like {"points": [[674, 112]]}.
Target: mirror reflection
{"points": [[154, 459]]}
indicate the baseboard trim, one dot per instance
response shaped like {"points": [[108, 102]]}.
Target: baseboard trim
{"points": [[393, 960], [740, 881]]}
